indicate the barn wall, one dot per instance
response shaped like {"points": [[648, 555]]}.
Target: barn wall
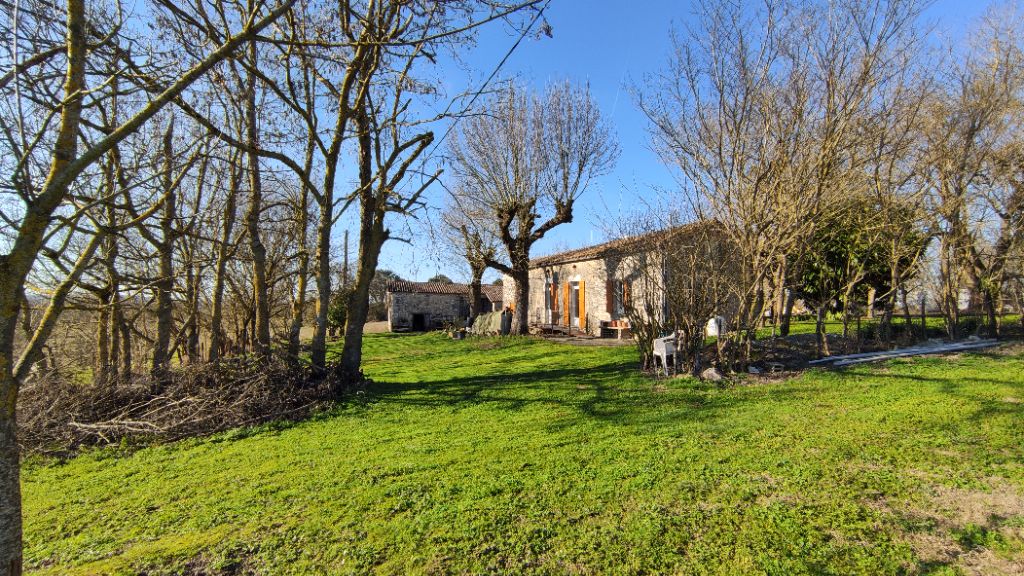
{"points": [[437, 308]]}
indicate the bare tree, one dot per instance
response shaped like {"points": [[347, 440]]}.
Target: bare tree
{"points": [[524, 164], [476, 243], [386, 154], [224, 249], [759, 111], [971, 160], [673, 278]]}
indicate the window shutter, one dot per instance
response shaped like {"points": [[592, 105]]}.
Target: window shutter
{"points": [[583, 305], [627, 294], [609, 296]]}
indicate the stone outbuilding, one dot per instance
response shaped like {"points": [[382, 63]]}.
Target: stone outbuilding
{"points": [[421, 306]]}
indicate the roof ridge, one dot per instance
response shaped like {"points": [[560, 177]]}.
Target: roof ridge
{"points": [[599, 250], [449, 288]]}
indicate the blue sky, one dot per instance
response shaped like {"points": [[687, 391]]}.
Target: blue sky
{"points": [[607, 44]]}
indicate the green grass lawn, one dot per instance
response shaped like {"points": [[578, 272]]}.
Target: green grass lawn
{"points": [[522, 456]]}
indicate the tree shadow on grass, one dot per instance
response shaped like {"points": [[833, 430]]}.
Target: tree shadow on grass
{"points": [[959, 388], [611, 393]]}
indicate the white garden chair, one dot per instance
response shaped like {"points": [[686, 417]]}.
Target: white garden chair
{"points": [[665, 348]]}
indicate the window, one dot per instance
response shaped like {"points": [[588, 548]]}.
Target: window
{"points": [[622, 298]]}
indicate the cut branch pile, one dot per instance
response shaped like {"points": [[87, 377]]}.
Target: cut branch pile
{"points": [[55, 414]]}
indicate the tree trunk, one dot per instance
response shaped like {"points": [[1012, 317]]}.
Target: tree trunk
{"points": [[299, 301], [10, 483], [298, 307], [261, 328], [779, 302], [192, 282], [885, 325], [521, 300], [318, 348], [950, 289], [101, 372], [475, 293], [114, 302], [990, 300], [116, 318], [359, 303], [819, 329], [223, 251], [165, 283], [106, 328], [846, 311], [126, 349], [787, 313], [924, 317], [907, 319], [164, 315], [372, 236]]}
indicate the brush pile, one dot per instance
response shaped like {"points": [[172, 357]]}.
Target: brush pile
{"points": [[56, 414]]}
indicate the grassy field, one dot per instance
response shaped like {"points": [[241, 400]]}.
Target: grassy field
{"points": [[521, 456]]}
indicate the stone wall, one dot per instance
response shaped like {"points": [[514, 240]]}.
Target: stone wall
{"points": [[437, 309], [593, 276]]}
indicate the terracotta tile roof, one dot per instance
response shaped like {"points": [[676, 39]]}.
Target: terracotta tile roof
{"points": [[493, 292], [615, 247], [488, 290]]}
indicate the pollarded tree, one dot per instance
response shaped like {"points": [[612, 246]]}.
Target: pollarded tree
{"points": [[476, 244], [524, 163]]}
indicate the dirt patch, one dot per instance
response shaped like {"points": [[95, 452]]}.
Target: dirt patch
{"points": [[934, 548], [975, 531], [234, 563], [983, 562], [961, 506], [1011, 349], [767, 377]]}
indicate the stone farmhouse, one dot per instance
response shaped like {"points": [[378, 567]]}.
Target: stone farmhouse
{"points": [[420, 306], [588, 290]]}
